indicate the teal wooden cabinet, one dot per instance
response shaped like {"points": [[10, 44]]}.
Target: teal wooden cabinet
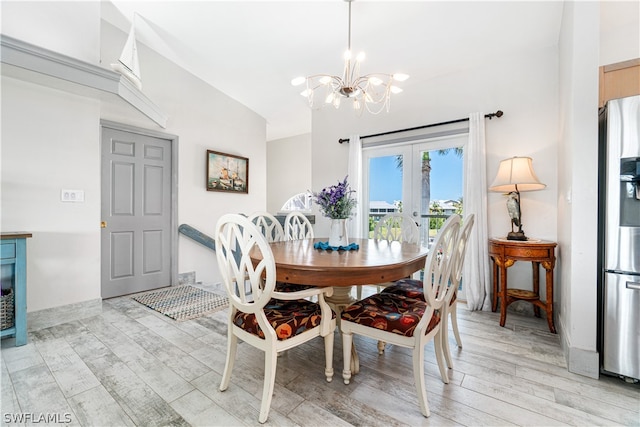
{"points": [[13, 256]]}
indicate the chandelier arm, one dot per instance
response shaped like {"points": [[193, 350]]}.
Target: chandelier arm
{"points": [[386, 79], [319, 76], [384, 89], [355, 74], [383, 105], [362, 79], [379, 99], [346, 73], [385, 75], [335, 83]]}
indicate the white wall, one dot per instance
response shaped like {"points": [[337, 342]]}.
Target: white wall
{"points": [[56, 26], [577, 180], [619, 31], [288, 169], [51, 140]]}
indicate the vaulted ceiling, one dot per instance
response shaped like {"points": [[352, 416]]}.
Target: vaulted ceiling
{"points": [[251, 50]]}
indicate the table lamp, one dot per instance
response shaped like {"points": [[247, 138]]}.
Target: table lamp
{"points": [[515, 175]]}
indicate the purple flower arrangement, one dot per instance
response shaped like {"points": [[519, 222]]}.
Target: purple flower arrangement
{"points": [[336, 201]]}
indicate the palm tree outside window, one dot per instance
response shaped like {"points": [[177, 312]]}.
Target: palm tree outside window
{"points": [[437, 214]]}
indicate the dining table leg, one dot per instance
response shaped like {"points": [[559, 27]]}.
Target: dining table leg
{"points": [[340, 300]]}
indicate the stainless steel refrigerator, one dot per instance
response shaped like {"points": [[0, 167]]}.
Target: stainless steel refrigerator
{"points": [[619, 238]]}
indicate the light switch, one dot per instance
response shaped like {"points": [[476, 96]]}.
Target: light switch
{"points": [[76, 196]]}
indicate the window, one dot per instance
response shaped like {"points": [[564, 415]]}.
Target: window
{"points": [[299, 202]]}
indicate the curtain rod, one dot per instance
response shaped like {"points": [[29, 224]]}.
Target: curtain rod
{"points": [[498, 113]]}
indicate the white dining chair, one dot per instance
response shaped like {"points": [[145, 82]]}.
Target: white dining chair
{"points": [[408, 322], [268, 225], [456, 277], [297, 226], [264, 318], [414, 289], [397, 227], [394, 227]]}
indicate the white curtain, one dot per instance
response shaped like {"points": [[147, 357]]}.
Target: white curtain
{"points": [[476, 275], [355, 181]]}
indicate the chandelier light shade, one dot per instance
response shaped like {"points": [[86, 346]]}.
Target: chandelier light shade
{"points": [[515, 175], [370, 91]]}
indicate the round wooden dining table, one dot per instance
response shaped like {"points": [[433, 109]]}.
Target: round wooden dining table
{"points": [[374, 262]]}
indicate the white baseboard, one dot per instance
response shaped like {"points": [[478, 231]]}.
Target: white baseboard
{"points": [[46, 318], [579, 361]]}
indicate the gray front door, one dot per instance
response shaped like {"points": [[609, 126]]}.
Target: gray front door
{"points": [[136, 212]]}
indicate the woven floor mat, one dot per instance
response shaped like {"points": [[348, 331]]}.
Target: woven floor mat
{"points": [[182, 302]]}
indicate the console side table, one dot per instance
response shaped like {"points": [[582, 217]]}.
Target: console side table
{"points": [[504, 253], [13, 252]]}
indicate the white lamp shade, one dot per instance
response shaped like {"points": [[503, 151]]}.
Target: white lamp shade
{"points": [[516, 171]]}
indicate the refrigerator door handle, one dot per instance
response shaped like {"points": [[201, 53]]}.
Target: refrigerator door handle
{"points": [[633, 285]]}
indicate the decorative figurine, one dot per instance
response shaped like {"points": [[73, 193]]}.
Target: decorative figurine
{"points": [[513, 207]]}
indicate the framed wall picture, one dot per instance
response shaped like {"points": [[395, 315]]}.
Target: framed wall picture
{"points": [[226, 172]]}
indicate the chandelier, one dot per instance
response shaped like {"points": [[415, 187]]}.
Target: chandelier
{"points": [[370, 91]]}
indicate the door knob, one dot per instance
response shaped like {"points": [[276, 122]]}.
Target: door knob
{"points": [[103, 224]]}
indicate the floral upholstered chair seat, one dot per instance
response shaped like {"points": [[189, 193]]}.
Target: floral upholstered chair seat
{"points": [[398, 314], [411, 288], [288, 318]]}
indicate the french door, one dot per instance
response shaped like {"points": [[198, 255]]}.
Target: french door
{"points": [[423, 179]]}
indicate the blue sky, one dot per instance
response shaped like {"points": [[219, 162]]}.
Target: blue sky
{"points": [[446, 178]]}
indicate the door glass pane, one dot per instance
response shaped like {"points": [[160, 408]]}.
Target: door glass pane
{"points": [[385, 187], [441, 188], [423, 180]]}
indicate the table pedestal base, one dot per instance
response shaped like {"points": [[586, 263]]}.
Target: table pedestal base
{"points": [[340, 300]]}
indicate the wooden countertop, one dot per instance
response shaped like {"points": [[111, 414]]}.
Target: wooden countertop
{"points": [[14, 235]]}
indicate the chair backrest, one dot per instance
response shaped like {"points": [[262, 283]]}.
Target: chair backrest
{"points": [[297, 227], [397, 227], [440, 261], [235, 237], [268, 225], [463, 238]]}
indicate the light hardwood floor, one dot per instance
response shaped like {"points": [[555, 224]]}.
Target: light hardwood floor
{"points": [[133, 366]]}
